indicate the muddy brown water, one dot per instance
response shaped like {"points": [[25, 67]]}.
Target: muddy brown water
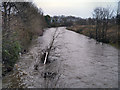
{"points": [[77, 62]]}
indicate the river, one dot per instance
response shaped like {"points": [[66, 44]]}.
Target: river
{"points": [[76, 62]]}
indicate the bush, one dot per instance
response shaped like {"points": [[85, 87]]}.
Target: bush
{"points": [[10, 53]]}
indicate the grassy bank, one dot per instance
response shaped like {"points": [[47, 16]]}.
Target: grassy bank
{"points": [[90, 31]]}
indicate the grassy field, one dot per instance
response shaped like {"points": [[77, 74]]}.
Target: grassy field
{"points": [[90, 31]]}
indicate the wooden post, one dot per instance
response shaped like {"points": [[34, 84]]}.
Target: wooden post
{"points": [[46, 57]]}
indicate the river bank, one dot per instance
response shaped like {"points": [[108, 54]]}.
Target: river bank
{"points": [[19, 29], [90, 31]]}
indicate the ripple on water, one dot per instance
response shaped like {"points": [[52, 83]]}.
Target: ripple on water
{"points": [[82, 64]]}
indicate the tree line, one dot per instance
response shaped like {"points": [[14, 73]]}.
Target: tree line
{"points": [[22, 21], [104, 26]]}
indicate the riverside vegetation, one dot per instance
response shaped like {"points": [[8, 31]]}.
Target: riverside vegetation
{"points": [[104, 26], [22, 21]]}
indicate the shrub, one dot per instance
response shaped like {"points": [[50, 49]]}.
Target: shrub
{"points": [[10, 53]]}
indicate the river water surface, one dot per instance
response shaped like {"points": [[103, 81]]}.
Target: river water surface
{"points": [[76, 62]]}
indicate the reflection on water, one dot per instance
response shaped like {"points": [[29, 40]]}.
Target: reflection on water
{"points": [[78, 62]]}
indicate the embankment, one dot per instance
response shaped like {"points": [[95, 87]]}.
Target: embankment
{"points": [[23, 24], [90, 31]]}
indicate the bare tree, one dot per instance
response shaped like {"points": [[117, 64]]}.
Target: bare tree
{"points": [[19, 21], [102, 16], [50, 52], [118, 23], [53, 45]]}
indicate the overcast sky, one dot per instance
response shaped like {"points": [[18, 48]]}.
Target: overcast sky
{"points": [[78, 8]]}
